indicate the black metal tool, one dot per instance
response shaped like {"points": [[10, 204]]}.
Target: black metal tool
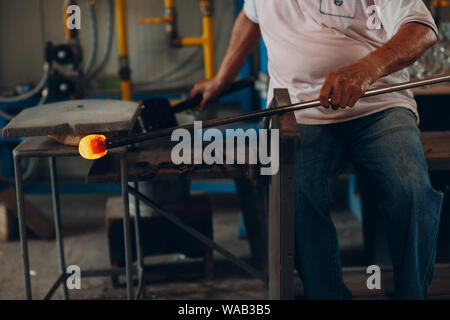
{"points": [[157, 113]]}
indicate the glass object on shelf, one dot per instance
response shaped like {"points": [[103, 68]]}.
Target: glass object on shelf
{"points": [[436, 61]]}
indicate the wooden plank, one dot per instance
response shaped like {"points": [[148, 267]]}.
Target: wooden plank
{"points": [[356, 277], [436, 146], [153, 162], [281, 206], [9, 228], [37, 222], [46, 147], [438, 89]]}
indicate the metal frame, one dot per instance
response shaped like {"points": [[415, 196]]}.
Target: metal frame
{"points": [[199, 236], [18, 155], [281, 204]]}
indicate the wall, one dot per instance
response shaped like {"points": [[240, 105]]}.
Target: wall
{"points": [[26, 25]]}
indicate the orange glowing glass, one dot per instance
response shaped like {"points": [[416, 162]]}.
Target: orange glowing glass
{"points": [[93, 147]]}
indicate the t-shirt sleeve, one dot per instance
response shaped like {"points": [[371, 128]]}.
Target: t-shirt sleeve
{"points": [[395, 13], [250, 10]]}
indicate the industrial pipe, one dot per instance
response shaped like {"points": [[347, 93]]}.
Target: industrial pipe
{"points": [[206, 40], [108, 44], [124, 68], [93, 38], [69, 34]]}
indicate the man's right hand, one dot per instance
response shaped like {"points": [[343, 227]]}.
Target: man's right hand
{"points": [[209, 89], [244, 39]]}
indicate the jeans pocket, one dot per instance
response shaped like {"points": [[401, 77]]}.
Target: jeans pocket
{"points": [[339, 8]]}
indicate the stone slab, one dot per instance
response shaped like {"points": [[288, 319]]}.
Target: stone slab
{"points": [[73, 117]]}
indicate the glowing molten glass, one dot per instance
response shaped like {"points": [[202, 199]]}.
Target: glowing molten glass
{"points": [[93, 147]]}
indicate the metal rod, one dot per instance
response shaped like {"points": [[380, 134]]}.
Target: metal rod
{"points": [[139, 252], [126, 226], [60, 281], [199, 236], [103, 273], [22, 227], [58, 223], [126, 140]]}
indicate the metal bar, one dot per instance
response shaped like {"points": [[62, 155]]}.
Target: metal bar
{"points": [[281, 213], [126, 226], [122, 141], [58, 224], [199, 236], [103, 273], [22, 227], [84, 274], [62, 277], [287, 204], [139, 253], [274, 238]]}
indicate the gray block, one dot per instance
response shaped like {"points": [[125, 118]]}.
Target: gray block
{"points": [[74, 116]]}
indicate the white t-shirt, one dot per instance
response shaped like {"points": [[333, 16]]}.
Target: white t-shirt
{"points": [[308, 39]]}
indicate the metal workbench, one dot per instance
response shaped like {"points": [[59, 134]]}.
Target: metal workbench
{"points": [[152, 163], [44, 147]]}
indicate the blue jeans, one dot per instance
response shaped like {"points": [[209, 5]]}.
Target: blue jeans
{"points": [[387, 154]]}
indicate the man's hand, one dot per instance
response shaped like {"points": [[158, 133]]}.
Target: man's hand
{"points": [[210, 89], [345, 86], [244, 39]]}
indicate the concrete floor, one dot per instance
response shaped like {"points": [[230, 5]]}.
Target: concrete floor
{"points": [[170, 277]]}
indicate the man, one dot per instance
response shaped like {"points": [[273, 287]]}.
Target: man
{"points": [[336, 50]]}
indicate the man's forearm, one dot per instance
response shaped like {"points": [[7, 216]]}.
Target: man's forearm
{"points": [[410, 42], [346, 85], [244, 39]]}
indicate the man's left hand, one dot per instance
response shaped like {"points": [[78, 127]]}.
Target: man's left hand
{"points": [[345, 86]]}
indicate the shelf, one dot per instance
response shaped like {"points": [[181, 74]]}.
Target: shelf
{"points": [[438, 89]]}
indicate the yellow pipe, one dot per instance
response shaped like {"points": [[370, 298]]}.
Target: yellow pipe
{"points": [[122, 28], [125, 89], [69, 34], [189, 42], [206, 41], [169, 4], [441, 3], [208, 47], [167, 19], [125, 83]]}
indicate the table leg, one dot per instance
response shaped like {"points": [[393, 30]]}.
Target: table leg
{"points": [[126, 226], [22, 226], [58, 224], [139, 253], [282, 205]]}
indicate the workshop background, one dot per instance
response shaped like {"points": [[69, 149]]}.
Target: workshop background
{"points": [[91, 213]]}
